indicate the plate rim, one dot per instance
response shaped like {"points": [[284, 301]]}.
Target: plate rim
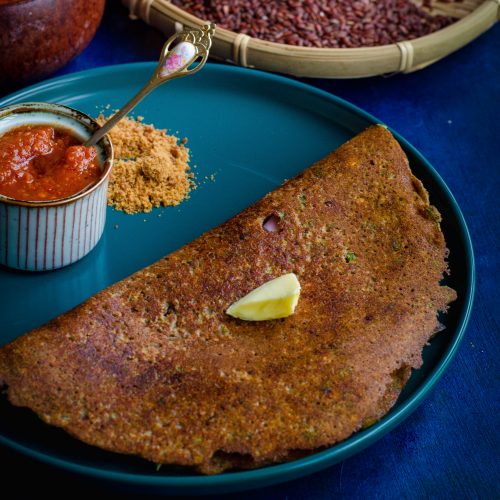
{"points": [[273, 474]]}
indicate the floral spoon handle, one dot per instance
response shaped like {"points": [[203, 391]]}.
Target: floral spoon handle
{"points": [[193, 44]]}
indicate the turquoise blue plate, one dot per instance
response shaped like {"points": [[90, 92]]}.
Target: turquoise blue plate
{"points": [[248, 131]]}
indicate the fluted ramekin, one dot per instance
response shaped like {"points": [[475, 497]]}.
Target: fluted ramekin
{"points": [[46, 235]]}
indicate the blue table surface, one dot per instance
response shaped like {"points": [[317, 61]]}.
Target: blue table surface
{"points": [[448, 448]]}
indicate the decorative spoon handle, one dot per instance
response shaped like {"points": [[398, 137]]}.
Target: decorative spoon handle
{"points": [[193, 44]]}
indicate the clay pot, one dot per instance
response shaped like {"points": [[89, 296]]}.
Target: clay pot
{"points": [[37, 37]]}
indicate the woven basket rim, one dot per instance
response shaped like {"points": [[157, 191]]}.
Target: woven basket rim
{"points": [[404, 56]]}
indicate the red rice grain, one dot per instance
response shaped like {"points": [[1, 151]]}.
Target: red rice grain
{"points": [[321, 23]]}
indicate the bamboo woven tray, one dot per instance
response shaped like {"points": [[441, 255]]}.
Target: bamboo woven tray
{"points": [[475, 17]]}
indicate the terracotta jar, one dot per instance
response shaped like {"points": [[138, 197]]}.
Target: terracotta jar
{"points": [[37, 37]]}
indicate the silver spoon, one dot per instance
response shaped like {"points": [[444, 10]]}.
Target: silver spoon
{"points": [[192, 44]]}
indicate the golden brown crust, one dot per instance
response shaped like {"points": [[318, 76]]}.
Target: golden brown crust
{"points": [[153, 366]]}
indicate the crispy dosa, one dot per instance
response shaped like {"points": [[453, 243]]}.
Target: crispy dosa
{"points": [[153, 366]]}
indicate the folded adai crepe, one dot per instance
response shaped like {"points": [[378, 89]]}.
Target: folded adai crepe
{"points": [[153, 366]]}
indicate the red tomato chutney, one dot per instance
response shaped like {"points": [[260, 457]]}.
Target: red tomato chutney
{"points": [[40, 162]]}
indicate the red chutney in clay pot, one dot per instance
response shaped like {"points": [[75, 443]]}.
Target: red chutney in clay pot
{"points": [[37, 37]]}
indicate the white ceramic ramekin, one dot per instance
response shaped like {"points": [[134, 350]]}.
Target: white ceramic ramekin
{"points": [[46, 235]]}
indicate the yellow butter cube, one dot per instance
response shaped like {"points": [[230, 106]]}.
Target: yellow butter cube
{"points": [[272, 300]]}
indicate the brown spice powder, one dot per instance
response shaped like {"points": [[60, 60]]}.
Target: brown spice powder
{"points": [[150, 168]]}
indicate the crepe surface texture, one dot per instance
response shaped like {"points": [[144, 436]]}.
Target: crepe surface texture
{"points": [[153, 366]]}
